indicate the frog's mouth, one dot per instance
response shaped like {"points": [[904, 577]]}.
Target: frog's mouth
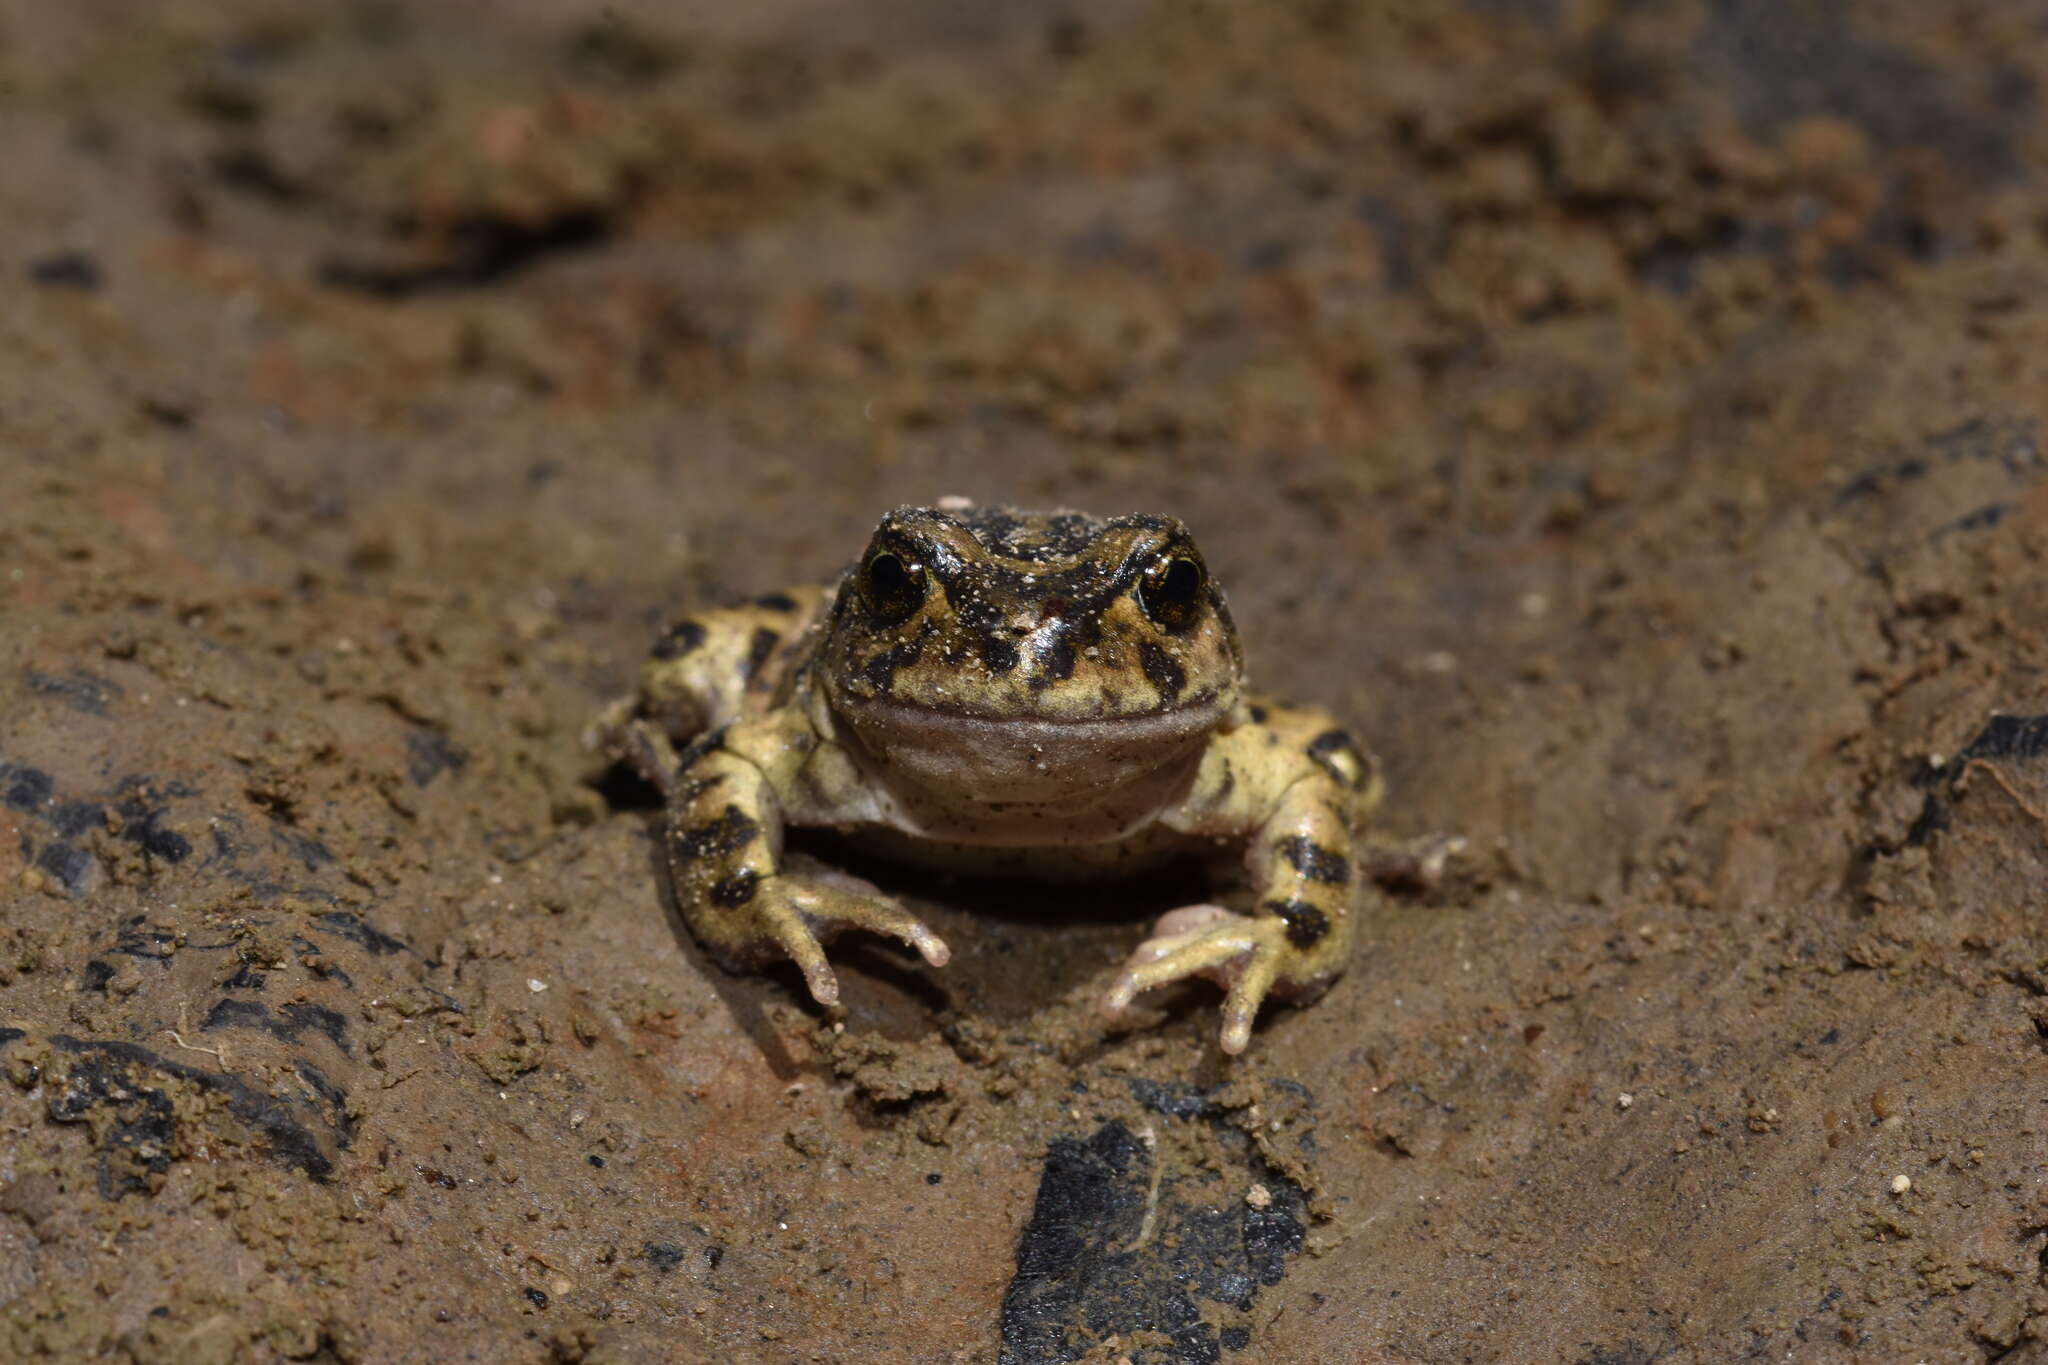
{"points": [[1011, 760]]}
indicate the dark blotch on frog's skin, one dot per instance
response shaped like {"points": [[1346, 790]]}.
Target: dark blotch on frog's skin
{"points": [[759, 646], [1055, 662], [730, 893], [1161, 671], [694, 788], [1313, 861], [1306, 925], [1325, 749], [1058, 537], [729, 832], [775, 601], [998, 654], [679, 639], [709, 742], [880, 669], [1258, 714]]}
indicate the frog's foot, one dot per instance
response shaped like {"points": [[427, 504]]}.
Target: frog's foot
{"points": [[793, 915], [1241, 953], [602, 733], [623, 737]]}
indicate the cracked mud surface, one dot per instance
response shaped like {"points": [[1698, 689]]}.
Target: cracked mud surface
{"points": [[1628, 416]]}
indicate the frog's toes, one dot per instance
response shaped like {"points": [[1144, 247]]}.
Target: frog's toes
{"points": [[796, 912], [1241, 953], [601, 734]]}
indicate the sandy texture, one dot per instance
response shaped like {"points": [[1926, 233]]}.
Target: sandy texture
{"points": [[1628, 415]]}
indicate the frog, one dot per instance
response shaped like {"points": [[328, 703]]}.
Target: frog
{"points": [[1051, 693]]}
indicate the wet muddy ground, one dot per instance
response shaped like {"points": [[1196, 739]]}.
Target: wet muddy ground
{"points": [[1628, 416]]}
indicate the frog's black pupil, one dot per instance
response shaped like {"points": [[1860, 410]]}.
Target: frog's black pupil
{"points": [[888, 575], [895, 588], [1171, 592]]}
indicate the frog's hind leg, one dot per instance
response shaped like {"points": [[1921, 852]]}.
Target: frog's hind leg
{"points": [[707, 670], [715, 667]]}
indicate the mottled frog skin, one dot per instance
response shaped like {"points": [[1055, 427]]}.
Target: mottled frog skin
{"points": [[1045, 691]]}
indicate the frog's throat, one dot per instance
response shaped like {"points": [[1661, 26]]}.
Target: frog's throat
{"points": [[1004, 760]]}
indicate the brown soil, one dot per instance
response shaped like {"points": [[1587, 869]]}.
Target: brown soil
{"points": [[1628, 415]]}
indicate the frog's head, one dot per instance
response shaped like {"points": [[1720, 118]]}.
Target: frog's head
{"points": [[1046, 649]]}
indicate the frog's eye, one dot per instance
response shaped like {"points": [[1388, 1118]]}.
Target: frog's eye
{"points": [[895, 587], [1171, 591]]}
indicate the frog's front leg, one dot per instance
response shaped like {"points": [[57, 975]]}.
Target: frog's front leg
{"points": [[724, 849], [1303, 863]]}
